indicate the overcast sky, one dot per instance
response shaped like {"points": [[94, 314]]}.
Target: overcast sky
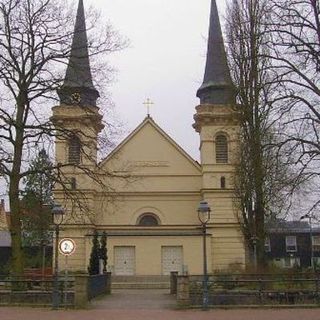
{"points": [[165, 61]]}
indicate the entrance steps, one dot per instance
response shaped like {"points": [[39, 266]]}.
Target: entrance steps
{"points": [[140, 282]]}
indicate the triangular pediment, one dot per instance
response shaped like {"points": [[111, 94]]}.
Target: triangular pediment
{"points": [[149, 150]]}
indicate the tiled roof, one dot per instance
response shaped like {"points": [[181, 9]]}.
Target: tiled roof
{"points": [[283, 226]]}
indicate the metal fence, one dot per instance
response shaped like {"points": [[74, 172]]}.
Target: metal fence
{"points": [[36, 290], [73, 291], [98, 285], [256, 290]]}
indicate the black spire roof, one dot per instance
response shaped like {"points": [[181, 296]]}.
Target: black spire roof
{"points": [[78, 87], [217, 86]]}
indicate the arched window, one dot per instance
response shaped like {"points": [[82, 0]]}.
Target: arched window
{"points": [[223, 182], [73, 183], [148, 219], [74, 150], [221, 149]]}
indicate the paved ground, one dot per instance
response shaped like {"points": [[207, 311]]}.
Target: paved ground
{"points": [[137, 299], [152, 305]]}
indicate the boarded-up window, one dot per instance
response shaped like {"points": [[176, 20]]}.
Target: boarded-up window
{"points": [[74, 150], [221, 149]]}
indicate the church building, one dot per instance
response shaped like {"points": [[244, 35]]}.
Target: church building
{"points": [[146, 192]]}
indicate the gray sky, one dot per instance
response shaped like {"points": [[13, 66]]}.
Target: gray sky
{"points": [[165, 61]]}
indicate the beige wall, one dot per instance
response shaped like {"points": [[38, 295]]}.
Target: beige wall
{"points": [[224, 250], [79, 260], [3, 217], [227, 249], [153, 174], [148, 252], [171, 209]]}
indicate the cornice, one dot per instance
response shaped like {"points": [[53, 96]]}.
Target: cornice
{"points": [[217, 115]]}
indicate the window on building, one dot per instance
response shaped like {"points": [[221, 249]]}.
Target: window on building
{"points": [[223, 182], [316, 243], [316, 262], [148, 219], [291, 262], [267, 245], [73, 183], [291, 243], [221, 149], [287, 262], [74, 150]]}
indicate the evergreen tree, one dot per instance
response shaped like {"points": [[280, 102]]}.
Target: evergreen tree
{"points": [[37, 195], [103, 251], [94, 257]]}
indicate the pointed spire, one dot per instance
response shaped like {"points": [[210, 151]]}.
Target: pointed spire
{"points": [[217, 86], [78, 87]]}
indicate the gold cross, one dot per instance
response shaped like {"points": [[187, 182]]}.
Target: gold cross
{"points": [[148, 103]]}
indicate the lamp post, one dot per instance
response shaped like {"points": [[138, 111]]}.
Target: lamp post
{"points": [[204, 216], [254, 237], [57, 218], [255, 260], [309, 217]]}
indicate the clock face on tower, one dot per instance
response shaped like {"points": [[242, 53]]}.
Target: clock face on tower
{"points": [[75, 98]]}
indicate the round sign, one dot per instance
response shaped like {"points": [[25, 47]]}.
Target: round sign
{"points": [[67, 246]]}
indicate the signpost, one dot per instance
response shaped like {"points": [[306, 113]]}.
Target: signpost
{"points": [[67, 247]]}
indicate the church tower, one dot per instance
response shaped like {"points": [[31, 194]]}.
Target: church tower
{"points": [[216, 122], [77, 119], [78, 122]]}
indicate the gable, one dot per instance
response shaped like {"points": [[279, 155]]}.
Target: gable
{"points": [[149, 150]]}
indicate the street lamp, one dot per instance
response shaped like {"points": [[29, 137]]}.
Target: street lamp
{"points": [[57, 218], [204, 216], [254, 237], [308, 216]]}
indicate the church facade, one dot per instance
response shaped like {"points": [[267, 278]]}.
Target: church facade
{"points": [[146, 192]]}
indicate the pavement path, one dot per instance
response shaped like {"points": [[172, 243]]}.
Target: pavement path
{"points": [[151, 305], [136, 299]]}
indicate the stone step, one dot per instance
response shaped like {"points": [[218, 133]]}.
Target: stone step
{"points": [[149, 278], [140, 285], [140, 282]]}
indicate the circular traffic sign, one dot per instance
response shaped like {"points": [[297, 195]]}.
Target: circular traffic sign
{"points": [[67, 246]]}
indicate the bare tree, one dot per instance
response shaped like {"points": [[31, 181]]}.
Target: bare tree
{"points": [[296, 55], [261, 172], [35, 44]]}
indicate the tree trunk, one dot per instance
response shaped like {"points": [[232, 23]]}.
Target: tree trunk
{"points": [[15, 216]]}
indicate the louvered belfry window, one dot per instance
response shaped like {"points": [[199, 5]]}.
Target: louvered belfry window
{"points": [[74, 150], [221, 149]]}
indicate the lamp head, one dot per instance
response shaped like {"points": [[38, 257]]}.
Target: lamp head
{"points": [[204, 212], [57, 212]]}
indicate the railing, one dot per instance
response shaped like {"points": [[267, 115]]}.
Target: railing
{"points": [[74, 291], [99, 285], [261, 290], [35, 290]]}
